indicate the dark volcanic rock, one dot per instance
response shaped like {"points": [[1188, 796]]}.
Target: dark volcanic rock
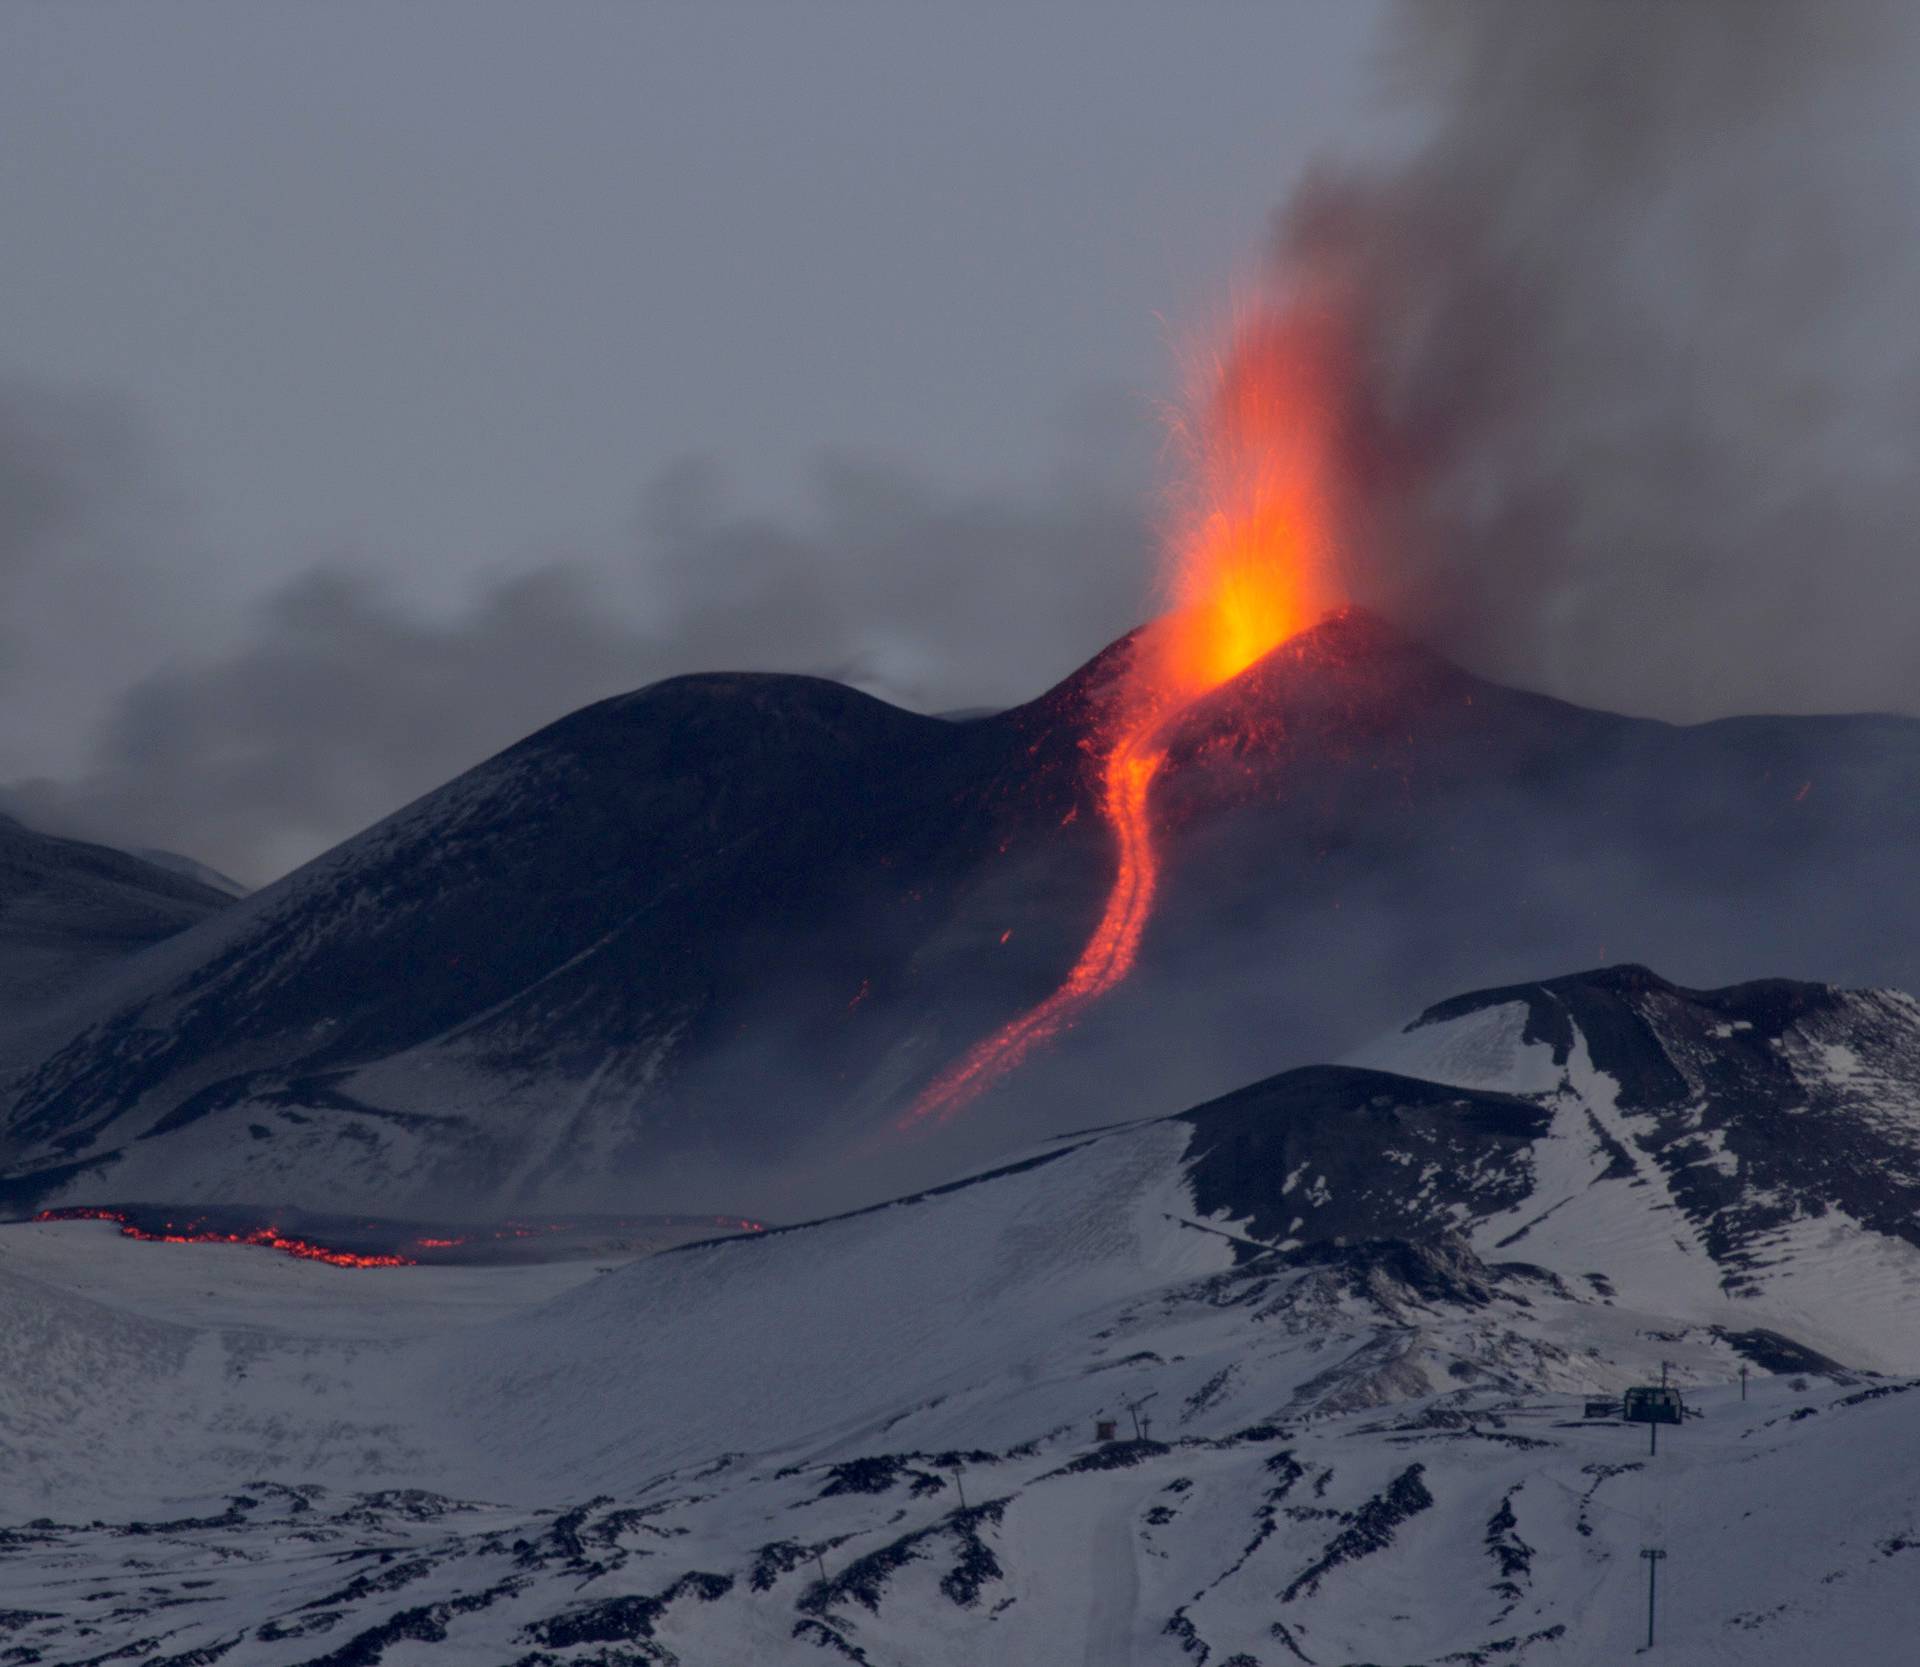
{"points": [[661, 905], [729, 925], [1329, 1153], [1759, 1105], [1371, 1530]]}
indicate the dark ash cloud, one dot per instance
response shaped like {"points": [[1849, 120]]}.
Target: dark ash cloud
{"points": [[1638, 399]]}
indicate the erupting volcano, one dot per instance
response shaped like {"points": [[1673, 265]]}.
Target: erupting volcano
{"points": [[1249, 562]]}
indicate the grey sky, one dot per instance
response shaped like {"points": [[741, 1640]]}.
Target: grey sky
{"points": [[447, 282]]}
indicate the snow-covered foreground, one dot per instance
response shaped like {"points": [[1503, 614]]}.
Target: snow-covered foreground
{"points": [[1510, 1536], [1361, 1433]]}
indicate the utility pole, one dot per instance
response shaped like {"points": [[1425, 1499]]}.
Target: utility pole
{"points": [[1653, 1555], [1133, 1412], [962, 1486], [1743, 1380], [1663, 1374], [820, 1562], [1653, 1438]]}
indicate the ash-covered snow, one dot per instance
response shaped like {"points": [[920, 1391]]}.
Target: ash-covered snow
{"points": [[1357, 1314]]}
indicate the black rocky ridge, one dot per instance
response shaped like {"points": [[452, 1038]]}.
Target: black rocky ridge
{"points": [[1760, 1105], [1753, 1107], [1328, 1154]]}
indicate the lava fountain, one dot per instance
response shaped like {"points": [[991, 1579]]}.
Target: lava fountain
{"points": [[1249, 562]]}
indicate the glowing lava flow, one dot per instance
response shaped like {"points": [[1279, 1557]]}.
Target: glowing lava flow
{"points": [[1251, 564], [146, 1223], [1128, 773], [191, 1233]]}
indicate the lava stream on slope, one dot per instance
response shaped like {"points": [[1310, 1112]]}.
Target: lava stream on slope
{"points": [[1251, 563]]}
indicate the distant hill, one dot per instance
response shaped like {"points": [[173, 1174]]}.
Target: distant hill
{"points": [[70, 910], [174, 863]]}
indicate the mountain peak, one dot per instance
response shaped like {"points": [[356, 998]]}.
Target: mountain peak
{"points": [[687, 944]]}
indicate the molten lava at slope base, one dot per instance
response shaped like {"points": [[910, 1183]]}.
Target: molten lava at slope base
{"points": [[1250, 557], [358, 1242], [197, 1232]]}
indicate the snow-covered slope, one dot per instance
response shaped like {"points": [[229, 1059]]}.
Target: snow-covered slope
{"points": [[691, 948], [1708, 1146], [1346, 1306], [1497, 1536]]}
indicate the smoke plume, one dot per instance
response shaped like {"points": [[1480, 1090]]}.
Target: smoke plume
{"points": [[1638, 394]]}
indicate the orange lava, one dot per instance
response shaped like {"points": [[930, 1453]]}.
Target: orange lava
{"points": [[1250, 553], [267, 1237], [198, 1230], [1128, 772], [1250, 563]]}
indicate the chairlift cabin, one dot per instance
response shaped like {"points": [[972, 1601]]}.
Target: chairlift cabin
{"points": [[1653, 1403]]}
